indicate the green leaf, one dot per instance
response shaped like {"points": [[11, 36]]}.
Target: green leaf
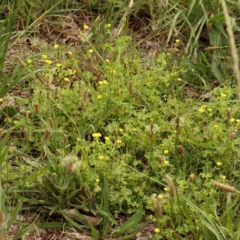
{"points": [[130, 236], [105, 194], [129, 224], [217, 17], [217, 73], [35, 175], [47, 225], [14, 213], [86, 222], [22, 232]]}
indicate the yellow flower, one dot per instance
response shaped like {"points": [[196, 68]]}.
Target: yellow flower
{"points": [[107, 138], [166, 189], [165, 151], [112, 70], [58, 65], [66, 79], [1, 100], [48, 62], [102, 82], [107, 60], [201, 109], [223, 177], [177, 41], [108, 25], [179, 79], [157, 230], [219, 163], [120, 130], [90, 51], [29, 61], [119, 141], [160, 196], [97, 180], [44, 56], [70, 71], [69, 53], [96, 135], [85, 26], [101, 157], [215, 126], [210, 109], [231, 120], [99, 96], [223, 95], [56, 46], [166, 163]]}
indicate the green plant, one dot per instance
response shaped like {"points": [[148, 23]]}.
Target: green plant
{"points": [[104, 123]]}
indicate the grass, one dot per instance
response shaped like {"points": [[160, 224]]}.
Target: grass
{"points": [[115, 117]]}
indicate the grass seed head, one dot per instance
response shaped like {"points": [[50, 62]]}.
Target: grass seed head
{"points": [[65, 138], [224, 187], [36, 107], [40, 78], [56, 91], [26, 115], [21, 62], [228, 114], [231, 136], [180, 149], [51, 122], [171, 186], [130, 89], [25, 134], [158, 210], [116, 135], [160, 159], [177, 127], [46, 134], [14, 150], [84, 99]]}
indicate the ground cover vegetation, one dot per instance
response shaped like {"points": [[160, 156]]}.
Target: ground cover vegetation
{"points": [[120, 119]]}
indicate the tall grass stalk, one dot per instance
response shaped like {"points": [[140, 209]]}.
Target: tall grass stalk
{"points": [[232, 45]]}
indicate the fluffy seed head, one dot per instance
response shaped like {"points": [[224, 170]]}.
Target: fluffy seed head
{"points": [[170, 186], [191, 177]]}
